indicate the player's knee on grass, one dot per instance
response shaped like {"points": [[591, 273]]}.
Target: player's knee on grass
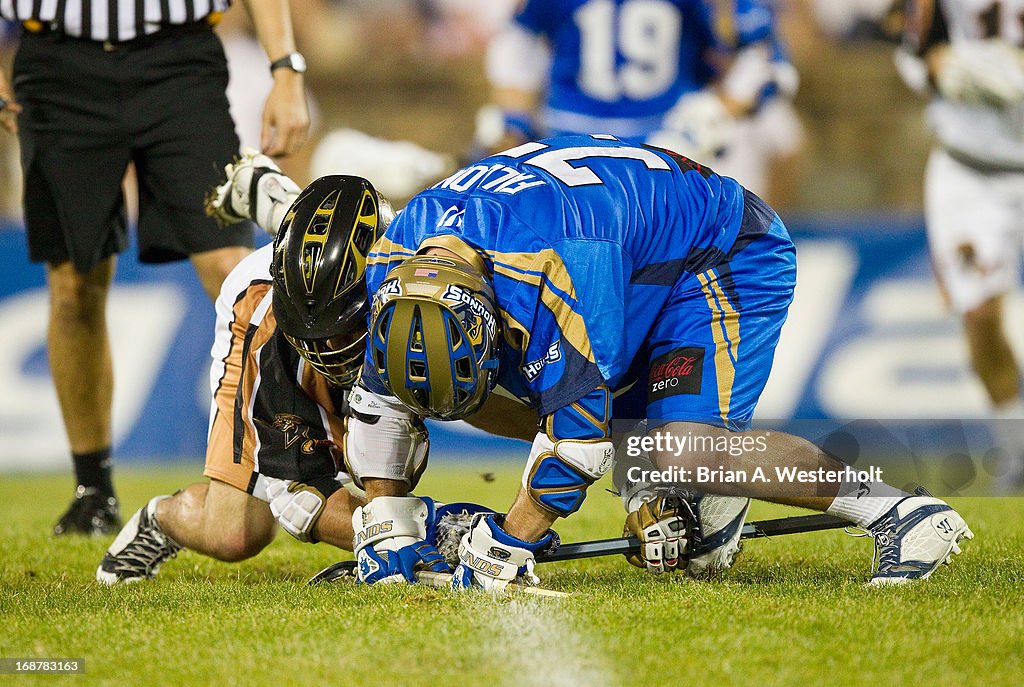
{"points": [[218, 520]]}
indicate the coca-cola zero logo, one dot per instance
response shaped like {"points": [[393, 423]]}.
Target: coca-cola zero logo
{"points": [[679, 371]]}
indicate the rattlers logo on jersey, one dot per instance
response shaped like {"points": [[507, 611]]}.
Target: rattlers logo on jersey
{"points": [[295, 429]]}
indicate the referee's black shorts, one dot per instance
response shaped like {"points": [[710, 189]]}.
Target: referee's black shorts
{"points": [[89, 109]]}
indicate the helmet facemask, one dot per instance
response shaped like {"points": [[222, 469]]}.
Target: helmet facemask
{"points": [[339, 359]]}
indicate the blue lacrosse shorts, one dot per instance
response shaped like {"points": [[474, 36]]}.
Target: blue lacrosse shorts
{"points": [[710, 352]]}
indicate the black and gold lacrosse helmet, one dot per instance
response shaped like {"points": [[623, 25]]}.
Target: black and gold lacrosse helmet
{"points": [[320, 299]]}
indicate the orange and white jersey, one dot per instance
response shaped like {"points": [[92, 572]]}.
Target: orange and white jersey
{"points": [[271, 413]]}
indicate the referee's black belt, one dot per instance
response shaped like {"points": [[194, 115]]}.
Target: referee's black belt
{"points": [[53, 33]]}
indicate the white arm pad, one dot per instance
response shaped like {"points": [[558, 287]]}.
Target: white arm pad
{"points": [[517, 59], [749, 73], [295, 505], [366, 402], [390, 443], [987, 71], [591, 457], [390, 521]]}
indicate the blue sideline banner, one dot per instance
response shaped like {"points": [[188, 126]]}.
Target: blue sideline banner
{"points": [[868, 338]]}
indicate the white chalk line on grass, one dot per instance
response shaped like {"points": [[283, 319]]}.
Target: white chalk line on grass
{"points": [[540, 648]]}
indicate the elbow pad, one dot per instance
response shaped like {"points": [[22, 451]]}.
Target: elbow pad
{"points": [[560, 469], [383, 440]]}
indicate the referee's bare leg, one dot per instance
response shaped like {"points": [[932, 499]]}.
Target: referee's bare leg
{"points": [[80, 363]]}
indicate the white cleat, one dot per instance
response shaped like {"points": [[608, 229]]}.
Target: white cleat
{"points": [[139, 549], [914, 538], [715, 539]]}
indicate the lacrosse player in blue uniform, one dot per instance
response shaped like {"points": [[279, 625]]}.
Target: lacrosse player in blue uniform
{"points": [[690, 75], [560, 272]]}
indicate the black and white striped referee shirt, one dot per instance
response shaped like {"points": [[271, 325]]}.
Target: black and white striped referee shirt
{"points": [[109, 20]]}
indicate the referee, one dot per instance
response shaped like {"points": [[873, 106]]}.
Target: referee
{"points": [[99, 84]]}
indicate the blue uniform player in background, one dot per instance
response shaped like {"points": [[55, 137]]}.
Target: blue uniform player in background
{"points": [[564, 271], [680, 74]]}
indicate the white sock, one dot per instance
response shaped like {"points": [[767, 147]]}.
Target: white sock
{"points": [[1008, 431], [864, 502]]}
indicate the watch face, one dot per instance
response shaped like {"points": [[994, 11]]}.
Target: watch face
{"points": [[295, 61]]}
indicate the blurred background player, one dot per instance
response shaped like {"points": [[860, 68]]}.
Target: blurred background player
{"points": [[972, 62], [100, 85], [710, 80]]}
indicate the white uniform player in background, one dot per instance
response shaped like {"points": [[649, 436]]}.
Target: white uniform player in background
{"points": [[970, 57]]}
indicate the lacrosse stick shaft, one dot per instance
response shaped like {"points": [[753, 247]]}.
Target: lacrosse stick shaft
{"points": [[751, 530]]}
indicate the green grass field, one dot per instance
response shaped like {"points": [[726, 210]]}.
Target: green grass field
{"points": [[793, 610]]}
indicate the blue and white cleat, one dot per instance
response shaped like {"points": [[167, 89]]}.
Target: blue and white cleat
{"points": [[914, 538], [715, 538]]}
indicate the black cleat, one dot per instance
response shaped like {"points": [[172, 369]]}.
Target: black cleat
{"points": [[90, 513], [139, 550]]}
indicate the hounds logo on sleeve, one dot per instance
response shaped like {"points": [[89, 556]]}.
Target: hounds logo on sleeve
{"points": [[680, 371], [532, 369]]}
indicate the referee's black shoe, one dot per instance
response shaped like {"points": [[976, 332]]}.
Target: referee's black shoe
{"points": [[91, 512]]}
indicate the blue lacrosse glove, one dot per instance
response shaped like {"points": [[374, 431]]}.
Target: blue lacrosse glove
{"points": [[390, 542], [491, 558]]}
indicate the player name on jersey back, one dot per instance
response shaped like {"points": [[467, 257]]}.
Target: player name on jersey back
{"points": [[496, 178]]}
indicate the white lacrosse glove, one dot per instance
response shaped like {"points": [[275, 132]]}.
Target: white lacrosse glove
{"points": [[989, 71], [749, 74], [296, 506], [390, 540], [699, 127], [491, 559], [663, 526], [255, 189]]}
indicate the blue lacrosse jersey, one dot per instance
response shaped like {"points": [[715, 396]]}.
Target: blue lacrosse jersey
{"points": [[584, 238], [619, 65]]}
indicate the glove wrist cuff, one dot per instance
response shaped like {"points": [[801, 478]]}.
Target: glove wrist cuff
{"points": [[389, 517], [490, 551]]}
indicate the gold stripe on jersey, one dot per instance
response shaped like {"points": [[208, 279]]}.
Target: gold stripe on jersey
{"points": [[543, 270], [386, 250], [725, 330]]}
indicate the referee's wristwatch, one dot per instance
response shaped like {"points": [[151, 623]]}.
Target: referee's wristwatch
{"points": [[294, 61]]}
